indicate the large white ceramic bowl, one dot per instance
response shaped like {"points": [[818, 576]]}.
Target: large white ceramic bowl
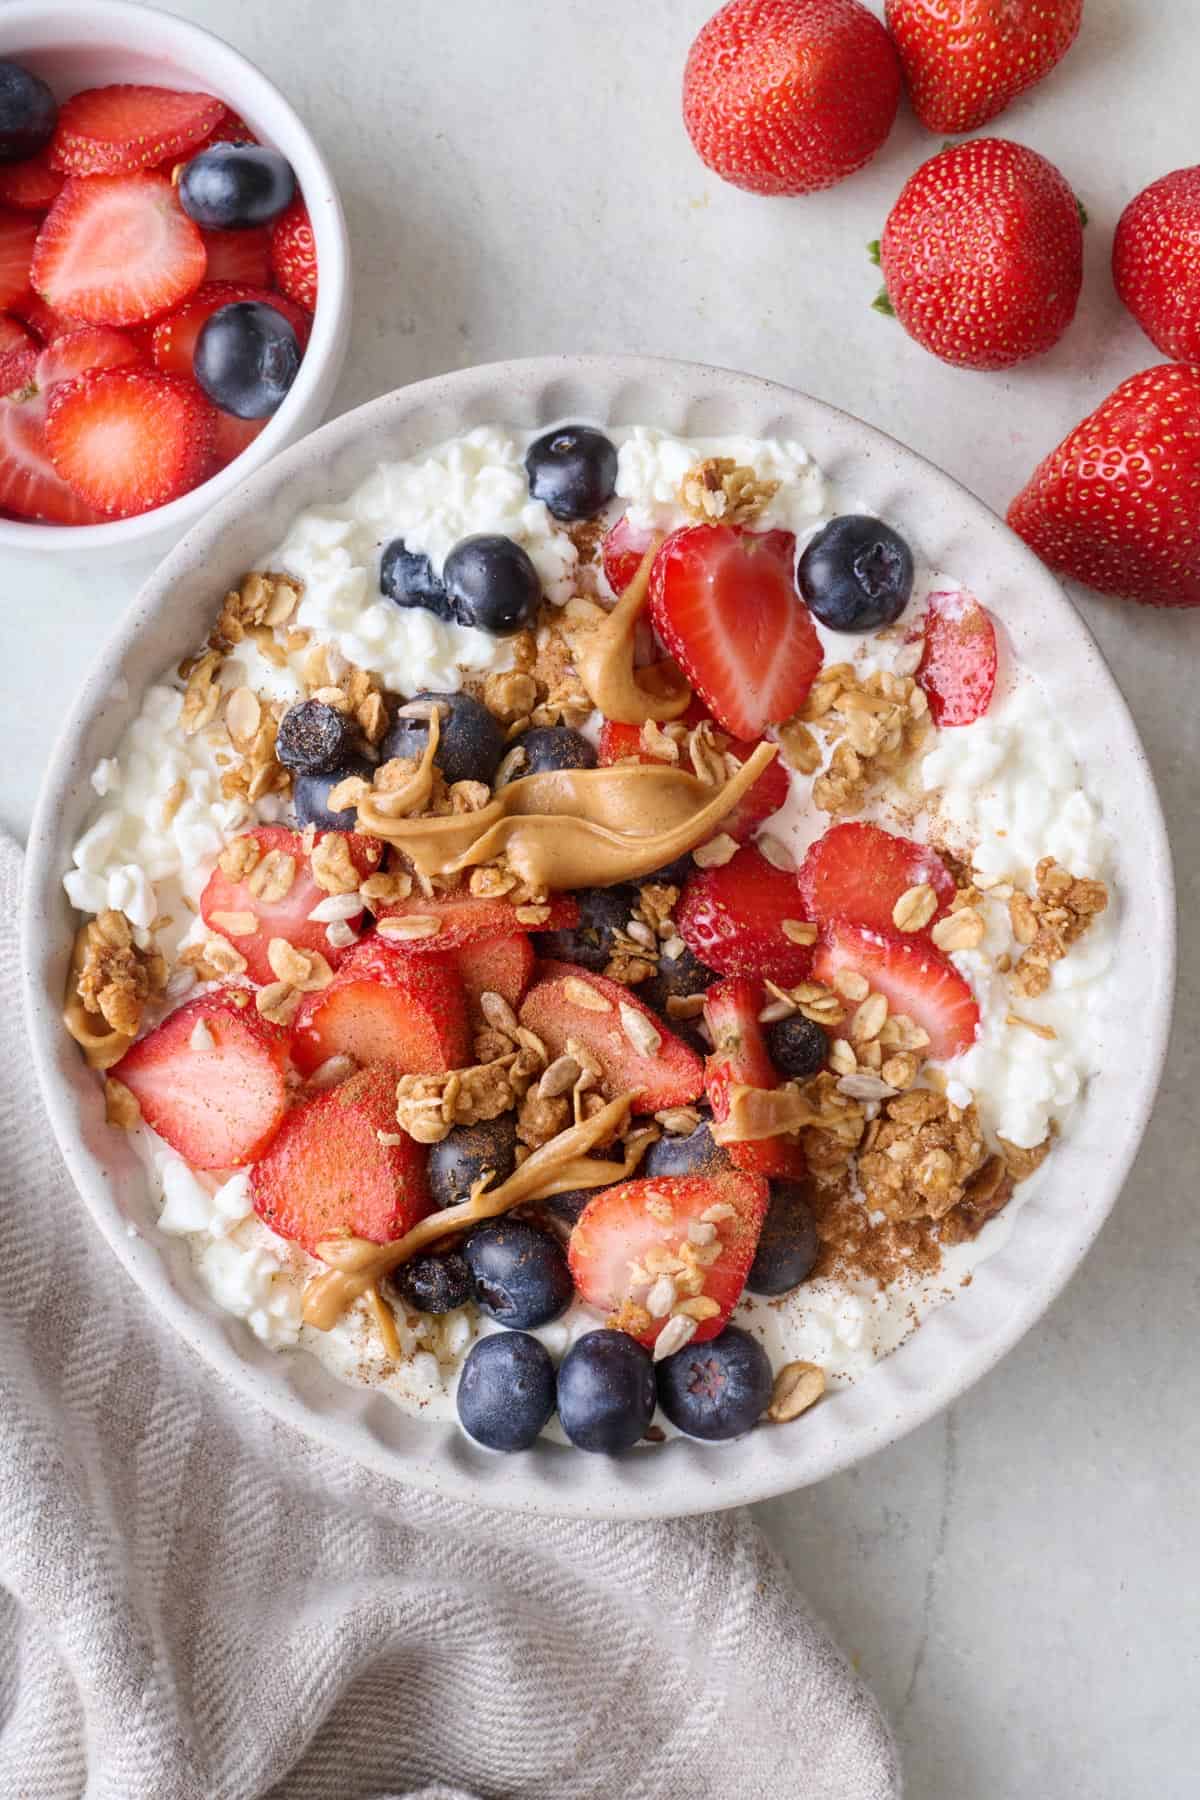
{"points": [[74, 44], [1073, 1193]]}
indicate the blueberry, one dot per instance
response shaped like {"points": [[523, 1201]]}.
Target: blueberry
{"points": [[798, 1047], [466, 1153], [789, 1245], [470, 740], [246, 358], [573, 470], [313, 737], [310, 793], [551, 747], [521, 1274], [28, 113], [231, 186], [492, 585], [506, 1391], [435, 1284], [605, 1391], [602, 913], [856, 574], [673, 874], [697, 1153], [407, 578], [718, 1389], [679, 977]]}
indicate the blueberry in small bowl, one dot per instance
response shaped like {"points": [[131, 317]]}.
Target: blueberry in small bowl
{"points": [[246, 358], [233, 187], [856, 574]]}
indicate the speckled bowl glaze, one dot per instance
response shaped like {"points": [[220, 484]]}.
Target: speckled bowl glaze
{"points": [[1067, 1202]]}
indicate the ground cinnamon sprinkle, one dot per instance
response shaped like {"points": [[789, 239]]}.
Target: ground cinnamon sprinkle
{"points": [[852, 1248]]}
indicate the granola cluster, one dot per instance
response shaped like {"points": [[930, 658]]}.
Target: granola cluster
{"points": [[1047, 922], [720, 490], [871, 726], [541, 688], [919, 1155], [115, 978]]}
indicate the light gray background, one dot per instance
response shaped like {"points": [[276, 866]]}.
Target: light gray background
{"points": [[1018, 1579]]}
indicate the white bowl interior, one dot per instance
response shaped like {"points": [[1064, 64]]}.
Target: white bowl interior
{"points": [[72, 46], [1053, 1229]]}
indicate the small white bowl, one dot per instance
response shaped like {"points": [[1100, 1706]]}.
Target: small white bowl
{"points": [[93, 42], [1066, 1203]]}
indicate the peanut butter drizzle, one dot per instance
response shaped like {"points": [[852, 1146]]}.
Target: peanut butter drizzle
{"points": [[101, 1047], [602, 651], [756, 1113], [562, 1164], [574, 828], [413, 794]]}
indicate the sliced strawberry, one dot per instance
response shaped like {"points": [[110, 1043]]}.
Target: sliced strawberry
{"points": [[116, 249], [14, 335], [174, 338], [30, 186], [724, 603], [232, 435], [128, 440], [499, 965], [41, 319], [958, 665], [30, 487], [117, 130], [462, 919], [735, 919], [290, 917], [341, 1167], [17, 368], [87, 347], [629, 1236], [229, 129], [294, 255], [18, 235], [855, 874], [635, 1050], [211, 1079], [740, 1057], [916, 979], [623, 743], [385, 1006], [239, 256], [623, 550]]}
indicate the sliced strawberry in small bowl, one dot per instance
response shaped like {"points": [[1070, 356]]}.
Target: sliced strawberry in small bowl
{"points": [[294, 255], [129, 440], [740, 1058], [232, 435], [211, 1079], [119, 129], [450, 921], [652, 1249], [31, 185], [746, 918], [623, 552], [239, 256], [958, 663], [277, 898], [174, 337], [18, 236], [915, 979], [384, 1006], [341, 1167], [116, 250], [636, 1051], [856, 874], [724, 602]]}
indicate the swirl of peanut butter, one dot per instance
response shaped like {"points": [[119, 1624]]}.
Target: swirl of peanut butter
{"points": [[557, 1168], [574, 828], [101, 1045], [601, 647], [758, 1113]]}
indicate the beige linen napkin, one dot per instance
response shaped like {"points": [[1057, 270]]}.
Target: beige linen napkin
{"points": [[198, 1604]]}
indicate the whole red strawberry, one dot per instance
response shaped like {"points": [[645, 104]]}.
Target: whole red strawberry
{"points": [[1156, 263], [788, 96], [982, 255], [1117, 505], [964, 60]]}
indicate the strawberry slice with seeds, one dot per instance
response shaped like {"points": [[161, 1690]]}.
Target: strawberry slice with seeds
{"points": [[278, 894], [30, 486], [500, 965], [742, 919], [740, 1058], [128, 440], [30, 186], [211, 1079], [856, 873], [634, 1250], [239, 256], [117, 130], [635, 1050], [16, 369], [229, 129], [341, 1167], [117, 249], [173, 342], [384, 1006], [42, 320], [623, 551], [232, 435], [18, 236], [958, 664], [916, 980], [623, 743], [294, 255], [724, 602], [14, 335], [450, 921]]}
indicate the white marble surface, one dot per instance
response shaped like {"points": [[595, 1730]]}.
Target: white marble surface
{"points": [[1017, 1579]]}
